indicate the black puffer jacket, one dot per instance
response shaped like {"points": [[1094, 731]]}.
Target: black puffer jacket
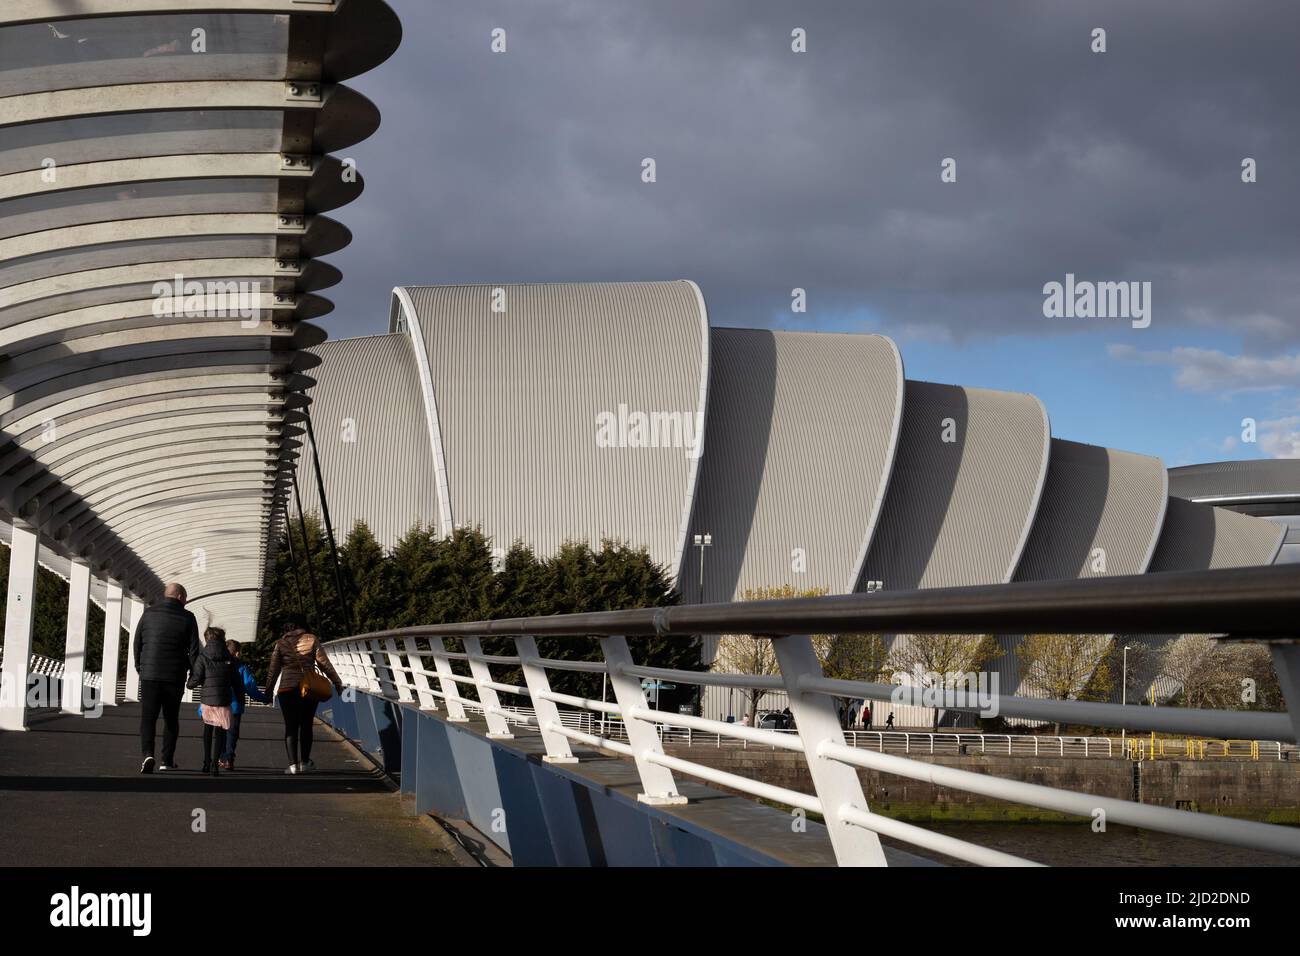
{"points": [[166, 642], [215, 671]]}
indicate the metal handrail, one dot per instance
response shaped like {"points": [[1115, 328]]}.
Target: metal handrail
{"points": [[1254, 602]]}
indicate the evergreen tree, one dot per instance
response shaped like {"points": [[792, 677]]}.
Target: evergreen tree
{"points": [[368, 576]]}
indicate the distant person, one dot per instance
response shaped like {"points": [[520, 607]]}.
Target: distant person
{"points": [[889, 721], [296, 654], [214, 671], [853, 714], [745, 721], [245, 687], [866, 716], [165, 646], [787, 719]]}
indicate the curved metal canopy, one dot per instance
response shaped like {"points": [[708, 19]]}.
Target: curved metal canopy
{"points": [[163, 179]]}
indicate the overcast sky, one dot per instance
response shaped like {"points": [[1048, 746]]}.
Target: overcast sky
{"points": [[821, 170]]}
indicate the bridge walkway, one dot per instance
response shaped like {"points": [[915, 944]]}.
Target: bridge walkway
{"points": [[71, 794]]}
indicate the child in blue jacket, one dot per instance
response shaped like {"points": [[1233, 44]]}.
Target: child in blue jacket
{"points": [[245, 687]]}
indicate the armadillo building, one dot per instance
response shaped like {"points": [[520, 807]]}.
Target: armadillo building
{"points": [[808, 459]]}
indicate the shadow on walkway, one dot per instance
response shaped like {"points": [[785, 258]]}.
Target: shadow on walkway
{"points": [[71, 794]]}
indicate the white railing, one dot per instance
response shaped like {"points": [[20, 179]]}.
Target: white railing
{"points": [[49, 667], [1259, 603], [940, 743]]}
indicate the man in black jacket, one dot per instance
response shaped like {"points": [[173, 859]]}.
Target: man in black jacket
{"points": [[166, 643]]}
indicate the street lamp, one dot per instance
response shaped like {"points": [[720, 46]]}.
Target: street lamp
{"points": [[1123, 694], [703, 541]]}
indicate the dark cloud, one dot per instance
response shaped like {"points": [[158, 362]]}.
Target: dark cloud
{"points": [[821, 170]]}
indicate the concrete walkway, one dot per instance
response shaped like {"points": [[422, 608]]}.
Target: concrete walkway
{"points": [[71, 794]]}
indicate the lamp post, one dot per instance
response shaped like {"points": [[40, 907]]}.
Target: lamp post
{"points": [[702, 541], [1123, 694]]}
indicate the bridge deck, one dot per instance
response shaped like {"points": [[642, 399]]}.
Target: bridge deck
{"points": [[71, 795]]}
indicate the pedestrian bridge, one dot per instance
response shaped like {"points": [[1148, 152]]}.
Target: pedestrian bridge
{"points": [[166, 171], [510, 770]]}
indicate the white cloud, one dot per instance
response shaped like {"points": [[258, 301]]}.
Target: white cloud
{"points": [[1280, 438], [1209, 370]]}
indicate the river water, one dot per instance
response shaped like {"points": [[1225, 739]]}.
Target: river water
{"points": [[1070, 844]]}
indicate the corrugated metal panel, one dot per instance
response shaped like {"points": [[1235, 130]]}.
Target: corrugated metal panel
{"points": [[957, 512], [368, 416], [520, 395], [1237, 479], [1094, 498], [801, 434], [1199, 537], [1100, 514]]}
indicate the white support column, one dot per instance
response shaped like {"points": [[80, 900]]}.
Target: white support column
{"points": [[656, 781], [112, 644], [74, 644], [134, 608], [548, 715], [450, 691], [837, 784], [418, 677], [400, 677], [498, 727], [19, 611]]}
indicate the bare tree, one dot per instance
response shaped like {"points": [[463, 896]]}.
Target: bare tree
{"points": [[1203, 668], [748, 654], [938, 660], [1065, 666]]}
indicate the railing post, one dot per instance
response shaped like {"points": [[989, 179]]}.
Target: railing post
{"points": [[340, 656], [498, 727], [450, 690], [418, 677], [657, 785], [836, 784], [379, 671], [548, 715], [395, 668]]}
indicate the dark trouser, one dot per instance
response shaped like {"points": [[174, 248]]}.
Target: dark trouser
{"points": [[232, 737], [214, 743], [160, 696], [299, 712]]}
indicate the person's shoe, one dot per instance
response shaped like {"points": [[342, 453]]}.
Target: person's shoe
{"points": [[216, 769], [307, 766], [224, 764], [169, 766], [146, 765], [293, 768], [206, 768]]}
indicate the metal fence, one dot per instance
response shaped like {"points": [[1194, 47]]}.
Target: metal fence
{"points": [[1254, 603]]}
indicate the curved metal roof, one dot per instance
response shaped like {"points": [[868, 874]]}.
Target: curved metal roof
{"points": [[1100, 514], [958, 511], [1198, 537], [373, 441], [1233, 482], [801, 433], [146, 147], [596, 439]]}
